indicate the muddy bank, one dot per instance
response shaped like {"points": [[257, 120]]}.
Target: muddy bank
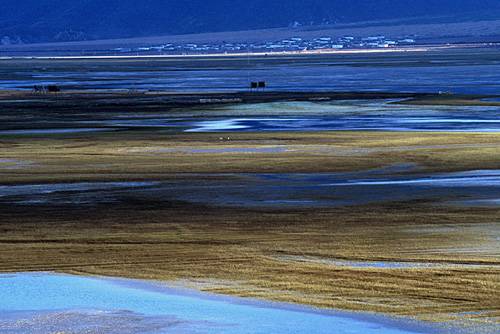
{"points": [[313, 190], [107, 100], [294, 114]]}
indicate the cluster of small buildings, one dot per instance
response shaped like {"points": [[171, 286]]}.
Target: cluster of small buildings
{"points": [[289, 44]]}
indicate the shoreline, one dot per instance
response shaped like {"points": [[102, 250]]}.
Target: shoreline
{"points": [[182, 290], [123, 99], [399, 49], [244, 251], [222, 267], [235, 55], [108, 100], [214, 303]]}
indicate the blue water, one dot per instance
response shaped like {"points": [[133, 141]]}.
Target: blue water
{"points": [[379, 264], [345, 115], [394, 184], [491, 99], [316, 116], [461, 72], [378, 115], [52, 131], [193, 312]]}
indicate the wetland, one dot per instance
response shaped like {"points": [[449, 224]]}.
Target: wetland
{"points": [[310, 205]]}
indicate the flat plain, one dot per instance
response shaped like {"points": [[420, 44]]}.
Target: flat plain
{"points": [[404, 223]]}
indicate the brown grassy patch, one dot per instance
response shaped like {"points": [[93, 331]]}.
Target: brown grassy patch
{"points": [[242, 252], [157, 155]]}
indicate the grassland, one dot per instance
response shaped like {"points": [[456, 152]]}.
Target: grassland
{"points": [[265, 253], [257, 253], [140, 155], [291, 254]]}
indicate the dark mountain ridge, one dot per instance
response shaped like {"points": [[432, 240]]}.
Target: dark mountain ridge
{"points": [[30, 21]]}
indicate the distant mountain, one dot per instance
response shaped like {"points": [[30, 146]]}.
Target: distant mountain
{"points": [[71, 20]]}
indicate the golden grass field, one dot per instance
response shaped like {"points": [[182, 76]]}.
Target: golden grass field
{"points": [[260, 254], [266, 253], [158, 155]]}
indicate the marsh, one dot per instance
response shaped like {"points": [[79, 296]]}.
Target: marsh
{"points": [[363, 201]]}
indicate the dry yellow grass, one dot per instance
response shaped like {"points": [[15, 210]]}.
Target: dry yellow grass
{"points": [[146, 155], [270, 254], [259, 253], [451, 100]]}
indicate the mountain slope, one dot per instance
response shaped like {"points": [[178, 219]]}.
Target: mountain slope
{"points": [[66, 20]]}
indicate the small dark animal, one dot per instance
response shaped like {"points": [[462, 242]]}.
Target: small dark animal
{"points": [[254, 85], [262, 84]]}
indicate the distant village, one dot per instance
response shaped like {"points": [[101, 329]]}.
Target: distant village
{"points": [[289, 44]]}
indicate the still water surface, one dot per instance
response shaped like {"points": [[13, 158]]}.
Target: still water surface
{"points": [[461, 71], [40, 303]]}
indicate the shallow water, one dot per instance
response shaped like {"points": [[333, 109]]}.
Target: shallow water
{"points": [[238, 150], [67, 193], [491, 99], [33, 189], [348, 115], [52, 131], [379, 115], [460, 71], [39, 303], [11, 164], [319, 116], [395, 184], [379, 264]]}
